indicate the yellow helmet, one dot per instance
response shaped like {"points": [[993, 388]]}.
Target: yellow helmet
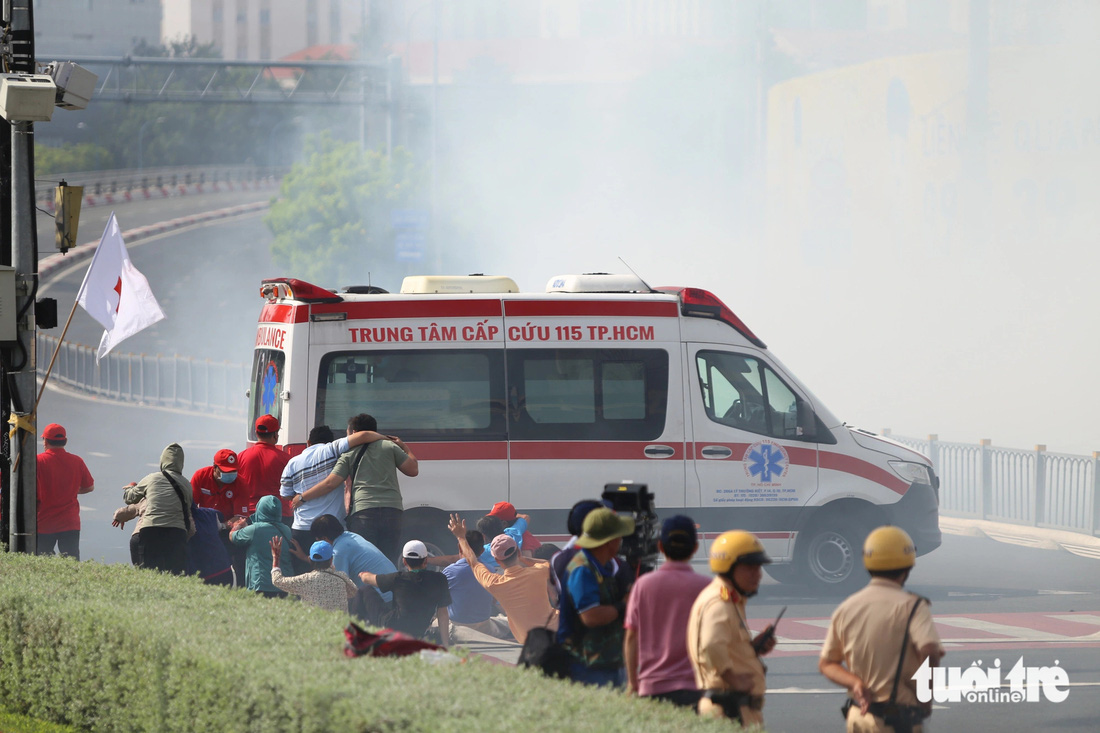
{"points": [[733, 547], [889, 548]]}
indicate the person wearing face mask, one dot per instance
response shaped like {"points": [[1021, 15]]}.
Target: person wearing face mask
{"points": [[213, 486]]}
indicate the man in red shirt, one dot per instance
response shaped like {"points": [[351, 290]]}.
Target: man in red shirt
{"points": [[260, 468], [215, 487], [61, 476]]}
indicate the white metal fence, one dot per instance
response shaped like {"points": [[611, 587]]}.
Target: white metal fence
{"points": [[162, 381], [1032, 487]]}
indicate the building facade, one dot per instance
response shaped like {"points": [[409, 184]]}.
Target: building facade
{"points": [[264, 30], [70, 28]]}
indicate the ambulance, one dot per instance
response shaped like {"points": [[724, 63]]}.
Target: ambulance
{"points": [[542, 398]]}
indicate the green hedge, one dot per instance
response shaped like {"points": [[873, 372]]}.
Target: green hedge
{"points": [[111, 648], [12, 723]]}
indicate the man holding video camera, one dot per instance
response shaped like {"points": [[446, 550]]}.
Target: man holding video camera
{"points": [[593, 605]]}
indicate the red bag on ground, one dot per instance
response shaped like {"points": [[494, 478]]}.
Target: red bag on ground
{"points": [[386, 643]]}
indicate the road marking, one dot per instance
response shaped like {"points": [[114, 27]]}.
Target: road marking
{"points": [[804, 637], [1077, 618], [1008, 632]]}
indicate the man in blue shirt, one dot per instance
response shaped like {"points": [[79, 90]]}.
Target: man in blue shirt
{"points": [[593, 604], [309, 468], [351, 555]]}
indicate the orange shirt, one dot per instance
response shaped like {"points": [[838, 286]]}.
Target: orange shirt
{"points": [[521, 592]]}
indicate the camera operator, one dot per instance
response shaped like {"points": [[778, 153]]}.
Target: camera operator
{"points": [[624, 576], [593, 605]]}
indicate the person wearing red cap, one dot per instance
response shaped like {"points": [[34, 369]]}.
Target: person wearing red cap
{"points": [[506, 512], [217, 487], [520, 589], [260, 468], [213, 487], [61, 476]]}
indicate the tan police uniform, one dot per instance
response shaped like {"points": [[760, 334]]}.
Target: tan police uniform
{"points": [[719, 640], [865, 634]]}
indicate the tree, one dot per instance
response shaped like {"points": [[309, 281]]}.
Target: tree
{"points": [[332, 220], [71, 158]]}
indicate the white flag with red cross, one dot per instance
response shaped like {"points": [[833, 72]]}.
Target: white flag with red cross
{"points": [[115, 293]]}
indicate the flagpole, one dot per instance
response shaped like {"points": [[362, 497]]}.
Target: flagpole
{"points": [[53, 358], [49, 369]]}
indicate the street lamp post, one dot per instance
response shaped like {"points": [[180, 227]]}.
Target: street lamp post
{"points": [[141, 137]]}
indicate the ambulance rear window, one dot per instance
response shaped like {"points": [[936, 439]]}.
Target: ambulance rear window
{"points": [[419, 395], [265, 395], [587, 394]]}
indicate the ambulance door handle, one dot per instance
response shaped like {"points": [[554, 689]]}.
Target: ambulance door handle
{"points": [[717, 452], [659, 451]]}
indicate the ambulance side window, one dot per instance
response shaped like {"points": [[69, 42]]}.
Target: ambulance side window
{"points": [[742, 392], [418, 395], [267, 387], [587, 394]]}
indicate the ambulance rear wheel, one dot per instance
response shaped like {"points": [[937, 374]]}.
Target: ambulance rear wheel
{"points": [[832, 557], [430, 527]]}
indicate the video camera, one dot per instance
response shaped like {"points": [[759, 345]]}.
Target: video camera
{"points": [[639, 549]]}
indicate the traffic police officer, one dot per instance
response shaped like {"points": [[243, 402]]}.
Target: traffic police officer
{"points": [[878, 638], [726, 661]]}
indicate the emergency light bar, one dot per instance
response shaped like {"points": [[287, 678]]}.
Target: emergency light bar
{"points": [[291, 289], [702, 304]]}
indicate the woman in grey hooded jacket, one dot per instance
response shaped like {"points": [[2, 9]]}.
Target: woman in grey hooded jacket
{"points": [[166, 523]]}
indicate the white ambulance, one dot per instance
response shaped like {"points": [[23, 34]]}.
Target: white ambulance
{"points": [[541, 398]]}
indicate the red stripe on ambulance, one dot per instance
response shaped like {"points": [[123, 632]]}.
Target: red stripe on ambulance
{"points": [[531, 308], [411, 309]]}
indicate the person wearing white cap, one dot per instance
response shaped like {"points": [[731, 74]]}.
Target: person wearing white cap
{"points": [[418, 594], [323, 586]]}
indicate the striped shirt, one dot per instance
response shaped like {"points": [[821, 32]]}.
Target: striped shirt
{"points": [[328, 589], [306, 470]]}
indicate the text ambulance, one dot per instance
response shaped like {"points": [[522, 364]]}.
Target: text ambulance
{"points": [[542, 398]]}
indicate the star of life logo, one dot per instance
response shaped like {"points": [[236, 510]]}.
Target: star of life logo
{"points": [[767, 462], [978, 684]]}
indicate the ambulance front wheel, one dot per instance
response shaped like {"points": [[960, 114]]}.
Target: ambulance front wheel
{"points": [[832, 557]]}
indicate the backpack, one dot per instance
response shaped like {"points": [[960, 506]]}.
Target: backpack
{"points": [[542, 651], [386, 643]]}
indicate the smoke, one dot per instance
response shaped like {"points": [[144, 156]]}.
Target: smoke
{"points": [[920, 264]]}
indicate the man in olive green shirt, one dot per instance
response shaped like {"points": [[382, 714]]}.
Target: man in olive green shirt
{"points": [[375, 505]]}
